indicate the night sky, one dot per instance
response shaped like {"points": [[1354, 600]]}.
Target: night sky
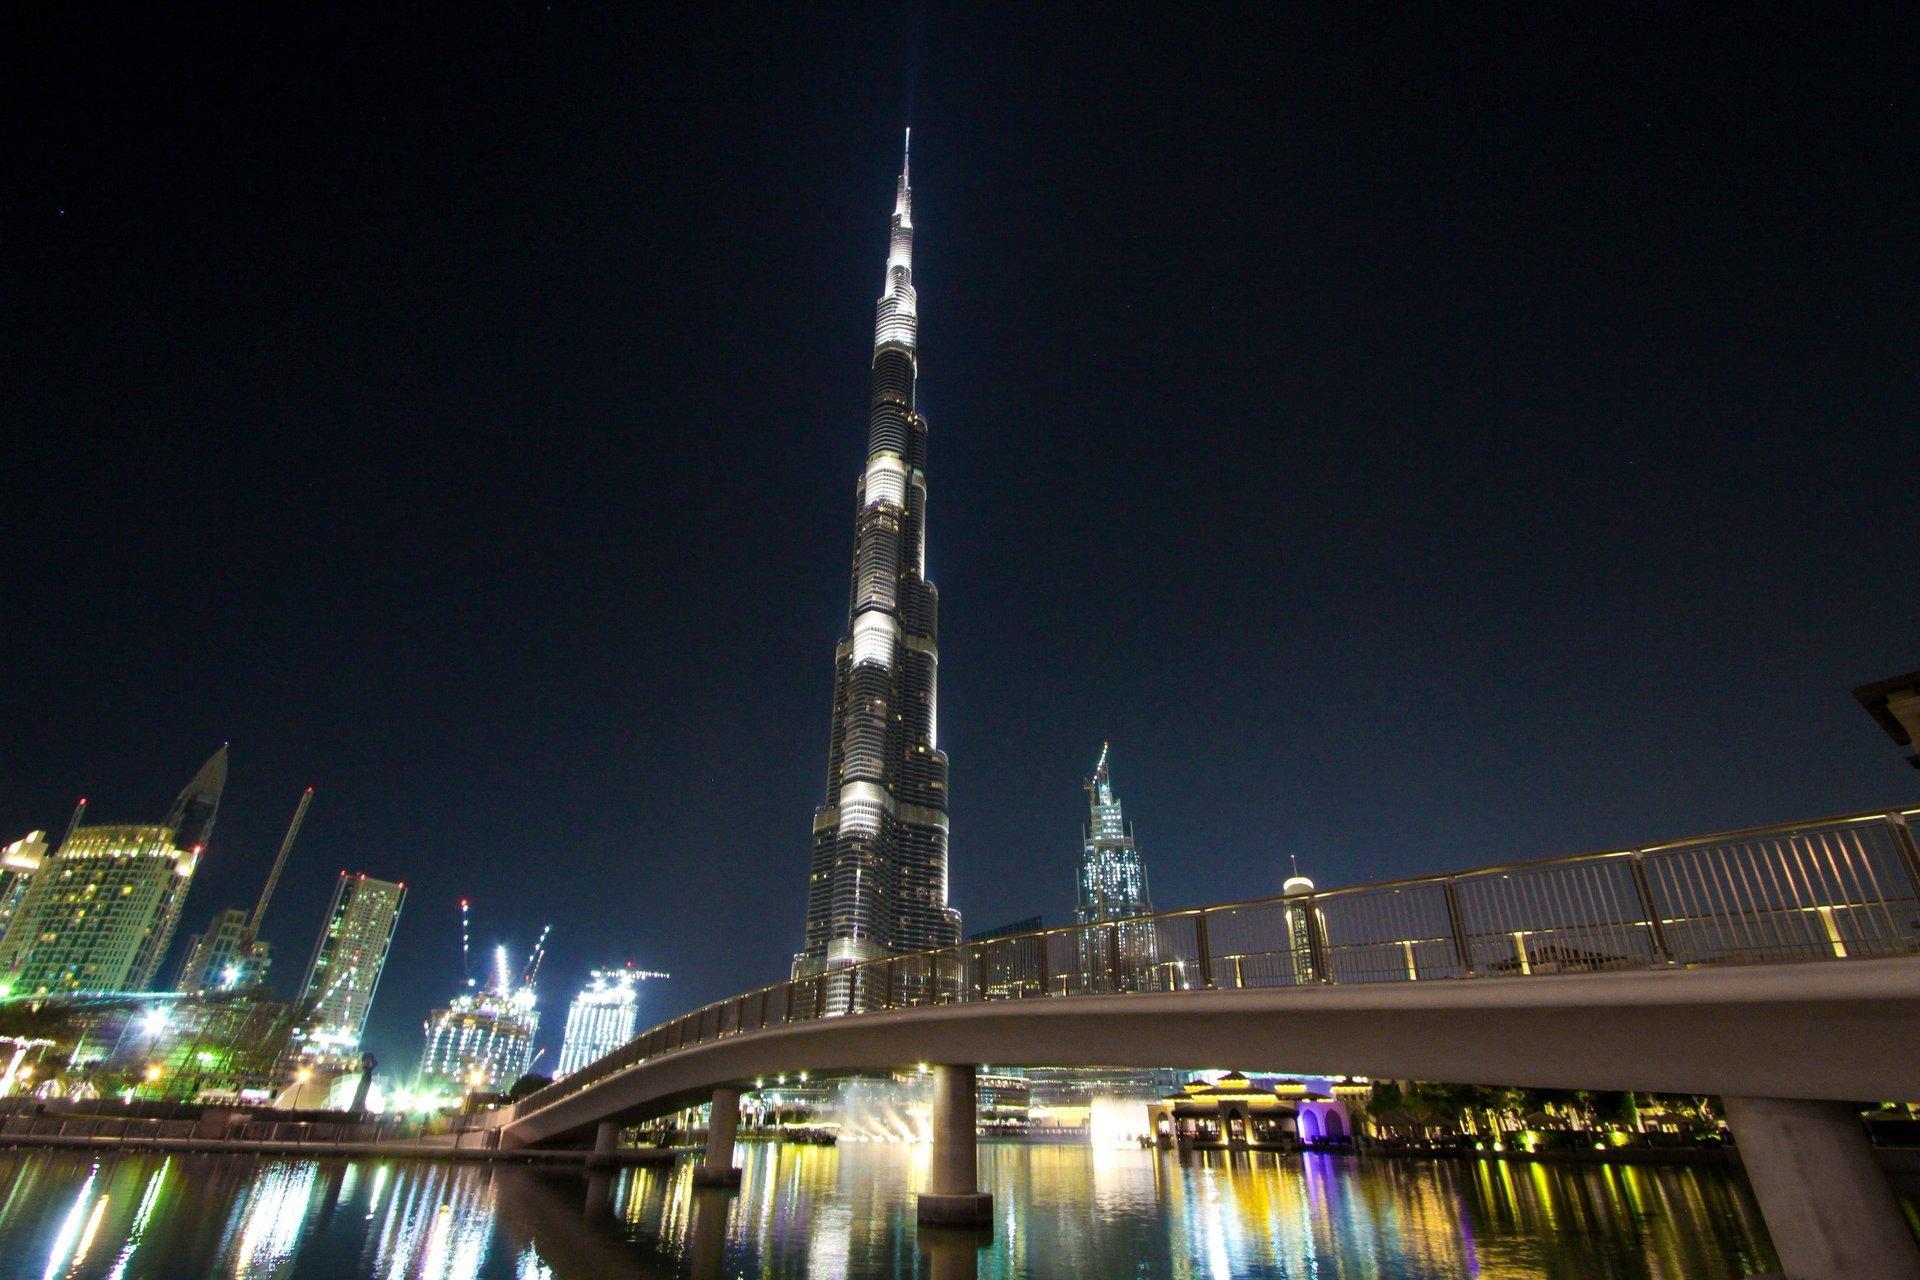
{"points": [[1416, 439]]}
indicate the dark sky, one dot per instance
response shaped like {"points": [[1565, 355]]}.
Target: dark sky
{"points": [[1415, 439]]}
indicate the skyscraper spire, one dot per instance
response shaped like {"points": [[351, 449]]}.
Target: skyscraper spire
{"points": [[194, 810], [1113, 881], [877, 883]]}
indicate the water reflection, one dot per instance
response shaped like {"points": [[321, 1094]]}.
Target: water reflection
{"points": [[848, 1215]]}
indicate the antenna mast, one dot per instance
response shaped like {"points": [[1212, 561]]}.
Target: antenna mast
{"points": [[279, 862], [74, 821]]}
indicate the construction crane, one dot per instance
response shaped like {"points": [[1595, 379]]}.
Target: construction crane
{"points": [[538, 954], [273, 877], [466, 953]]}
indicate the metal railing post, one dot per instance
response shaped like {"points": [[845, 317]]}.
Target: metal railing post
{"points": [[1046, 983], [1113, 957], [1462, 945], [1203, 948], [1656, 931], [891, 969], [820, 997]]}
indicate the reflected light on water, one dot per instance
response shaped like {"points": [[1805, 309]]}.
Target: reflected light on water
{"points": [[848, 1214], [63, 1244], [271, 1220], [141, 1217]]}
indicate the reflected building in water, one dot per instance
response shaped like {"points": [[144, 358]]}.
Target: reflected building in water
{"points": [[824, 1214]]}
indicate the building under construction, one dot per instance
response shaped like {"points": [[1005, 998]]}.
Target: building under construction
{"points": [[483, 1040]]}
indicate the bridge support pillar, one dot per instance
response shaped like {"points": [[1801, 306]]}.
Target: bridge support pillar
{"points": [[717, 1170], [606, 1142], [1827, 1203], [953, 1197]]}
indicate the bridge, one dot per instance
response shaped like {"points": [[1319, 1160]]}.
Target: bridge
{"points": [[1778, 968]]}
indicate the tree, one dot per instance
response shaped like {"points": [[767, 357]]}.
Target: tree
{"points": [[527, 1084]]}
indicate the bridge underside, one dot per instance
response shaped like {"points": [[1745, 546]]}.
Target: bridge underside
{"points": [[1835, 1030]]}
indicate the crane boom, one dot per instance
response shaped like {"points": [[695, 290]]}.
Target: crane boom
{"points": [[279, 863]]}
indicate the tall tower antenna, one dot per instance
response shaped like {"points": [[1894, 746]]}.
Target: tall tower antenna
{"points": [[78, 811], [279, 862]]}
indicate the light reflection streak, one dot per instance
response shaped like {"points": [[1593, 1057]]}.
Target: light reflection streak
{"points": [[274, 1215], [70, 1229], [86, 1236], [142, 1215]]}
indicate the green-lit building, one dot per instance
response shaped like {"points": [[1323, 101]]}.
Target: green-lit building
{"points": [[102, 908]]}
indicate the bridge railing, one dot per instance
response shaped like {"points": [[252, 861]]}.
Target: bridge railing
{"points": [[1836, 888]]}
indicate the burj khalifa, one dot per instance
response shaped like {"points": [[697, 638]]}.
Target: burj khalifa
{"points": [[877, 881]]}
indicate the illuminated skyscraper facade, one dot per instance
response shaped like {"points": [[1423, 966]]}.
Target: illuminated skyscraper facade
{"points": [[1113, 882], [877, 880], [483, 1041], [99, 913], [222, 958], [602, 1017], [344, 973]]}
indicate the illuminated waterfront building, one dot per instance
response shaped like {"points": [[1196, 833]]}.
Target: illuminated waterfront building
{"points": [[19, 862], [602, 1017], [99, 913], [165, 1045], [877, 879], [344, 973], [1113, 887]]}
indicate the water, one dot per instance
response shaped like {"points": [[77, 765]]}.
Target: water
{"points": [[848, 1215]]}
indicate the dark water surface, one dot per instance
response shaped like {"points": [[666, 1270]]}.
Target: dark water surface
{"points": [[818, 1212]]}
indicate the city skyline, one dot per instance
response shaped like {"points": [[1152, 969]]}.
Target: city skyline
{"points": [[1406, 457]]}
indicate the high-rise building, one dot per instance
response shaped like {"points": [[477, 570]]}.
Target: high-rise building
{"points": [[483, 1040], [19, 863], [221, 959], [230, 955], [877, 880], [99, 913], [1113, 885], [344, 973], [602, 1017]]}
